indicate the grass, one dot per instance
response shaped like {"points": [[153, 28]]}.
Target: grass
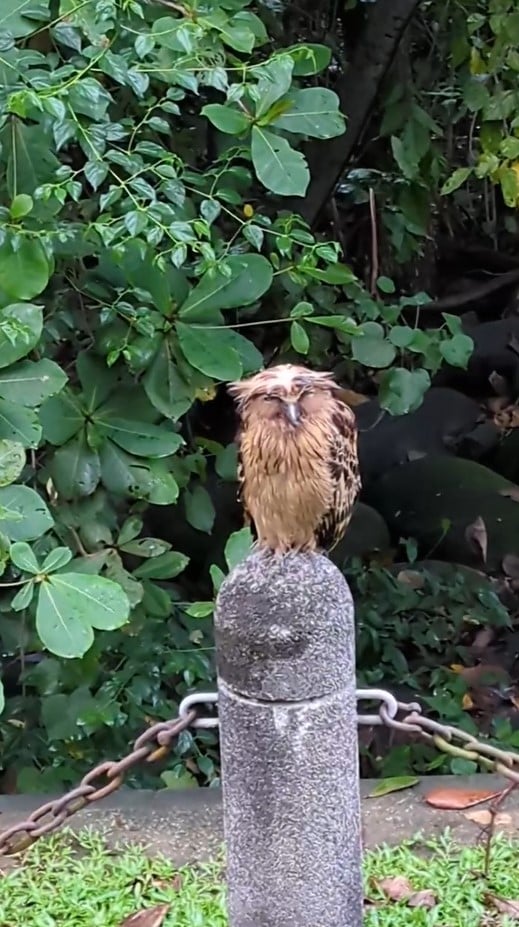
{"points": [[76, 881]]}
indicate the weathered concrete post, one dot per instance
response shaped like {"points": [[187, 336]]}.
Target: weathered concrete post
{"points": [[288, 735]]}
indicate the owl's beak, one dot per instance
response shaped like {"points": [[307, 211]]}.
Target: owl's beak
{"points": [[293, 412]]}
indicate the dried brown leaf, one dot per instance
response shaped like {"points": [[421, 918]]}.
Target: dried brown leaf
{"points": [[484, 818], [454, 799], [476, 535], [397, 888], [507, 906], [150, 917], [411, 578], [511, 492], [423, 899]]}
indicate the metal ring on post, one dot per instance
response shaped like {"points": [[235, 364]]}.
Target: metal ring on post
{"points": [[195, 699], [389, 701]]}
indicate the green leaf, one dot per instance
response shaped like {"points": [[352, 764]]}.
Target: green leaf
{"points": [[97, 380], [310, 59], [313, 111], [141, 438], [133, 476], [401, 335], [24, 515], [75, 468], [209, 351], [19, 424], [385, 285], [14, 22], [301, 310], [274, 81], [165, 566], [402, 391], [71, 604], [12, 461], [61, 418], [23, 597], [24, 273], [299, 338], [30, 382], [457, 350], [239, 546], [339, 322], [457, 179], [56, 559], [248, 277], [23, 557], [144, 547], [251, 359], [21, 206], [164, 386], [200, 609], [371, 348], [226, 463], [199, 509], [227, 119], [279, 167], [393, 784], [21, 326]]}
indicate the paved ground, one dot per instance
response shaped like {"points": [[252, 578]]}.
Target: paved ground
{"points": [[187, 826]]}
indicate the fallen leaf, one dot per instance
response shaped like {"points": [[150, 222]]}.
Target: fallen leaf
{"points": [[510, 566], [150, 917], [467, 702], [411, 578], [511, 492], [397, 888], [476, 535], [423, 899], [506, 906], [483, 639], [484, 818], [393, 784], [498, 383], [454, 799]]}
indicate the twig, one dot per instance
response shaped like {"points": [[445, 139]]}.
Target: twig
{"points": [[374, 242], [490, 828]]}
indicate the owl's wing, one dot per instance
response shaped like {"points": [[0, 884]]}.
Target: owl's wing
{"points": [[343, 465], [247, 518]]}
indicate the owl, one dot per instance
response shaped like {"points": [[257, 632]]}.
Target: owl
{"points": [[297, 458]]}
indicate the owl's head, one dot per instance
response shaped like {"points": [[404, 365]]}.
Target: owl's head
{"points": [[287, 395]]}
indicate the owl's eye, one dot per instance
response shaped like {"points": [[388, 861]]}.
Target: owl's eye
{"points": [[270, 398]]}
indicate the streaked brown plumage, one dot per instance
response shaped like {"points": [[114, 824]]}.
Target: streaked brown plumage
{"points": [[298, 465]]}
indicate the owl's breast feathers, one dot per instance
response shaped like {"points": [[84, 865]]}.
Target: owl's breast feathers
{"points": [[298, 486]]}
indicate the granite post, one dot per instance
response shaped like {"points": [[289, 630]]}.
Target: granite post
{"points": [[288, 736]]}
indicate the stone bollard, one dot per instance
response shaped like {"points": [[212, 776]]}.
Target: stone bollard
{"points": [[288, 736]]}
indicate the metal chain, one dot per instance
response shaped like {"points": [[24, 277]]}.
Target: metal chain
{"points": [[154, 745]]}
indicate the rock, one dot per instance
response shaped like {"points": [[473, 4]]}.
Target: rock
{"points": [[437, 499], [443, 419], [505, 459], [367, 532], [492, 352]]}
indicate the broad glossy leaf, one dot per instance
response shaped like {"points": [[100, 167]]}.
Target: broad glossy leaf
{"points": [[457, 350], [227, 119], [371, 347], [165, 566], [402, 391], [313, 111], [12, 461], [249, 277], [23, 557], [56, 559], [199, 509], [61, 418], [13, 20], [97, 380], [71, 604], [75, 468], [30, 382], [143, 479], [310, 59], [23, 597], [209, 351], [274, 81], [164, 386], [239, 546], [24, 273], [278, 166], [19, 424], [141, 438], [24, 515], [20, 330]]}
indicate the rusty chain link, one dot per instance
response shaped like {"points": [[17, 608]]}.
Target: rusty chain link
{"points": [[155, 742]]}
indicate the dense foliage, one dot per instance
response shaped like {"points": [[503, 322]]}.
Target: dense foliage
{"points": [[146, 256]]}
